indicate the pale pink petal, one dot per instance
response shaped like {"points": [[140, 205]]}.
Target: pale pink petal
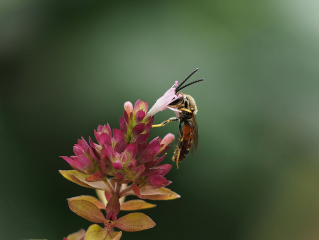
{"points": [[167, 139], [162, 102], [128, 106], [175, 110]]}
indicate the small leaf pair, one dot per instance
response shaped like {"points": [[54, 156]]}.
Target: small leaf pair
{"points": [[131, 222]]}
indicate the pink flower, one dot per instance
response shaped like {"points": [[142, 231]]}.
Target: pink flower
{"points": [[161, 103], [121, 157], [164, 143], [125, 153], [157, 181], [85, 160], [154, 177]]}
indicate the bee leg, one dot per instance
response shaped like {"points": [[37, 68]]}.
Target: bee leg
{"points": [[180, 129], [180, 143], [165, 122], [178, 154], [185, 109]]}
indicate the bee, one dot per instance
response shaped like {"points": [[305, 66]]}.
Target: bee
{"points": [[188, 129]]}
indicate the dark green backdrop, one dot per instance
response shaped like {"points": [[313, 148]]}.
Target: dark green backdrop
{"points": [[68, 66]]}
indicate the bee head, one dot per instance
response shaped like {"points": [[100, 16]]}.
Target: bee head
{"points": [[178, 101]]}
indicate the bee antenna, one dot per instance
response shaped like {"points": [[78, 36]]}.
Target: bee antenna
{"points": [[199, 80], [179, 86]]}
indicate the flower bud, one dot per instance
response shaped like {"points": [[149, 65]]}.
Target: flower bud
{"points": [[128, 106]]}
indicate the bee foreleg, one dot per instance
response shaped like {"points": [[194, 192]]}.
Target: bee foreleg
{"points": [[165, 122], [185, 109]]}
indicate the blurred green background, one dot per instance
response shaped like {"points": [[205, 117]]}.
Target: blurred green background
{"points": [[68, 66]]}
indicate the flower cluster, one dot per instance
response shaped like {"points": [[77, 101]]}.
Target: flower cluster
{"points": [[121, 163]]}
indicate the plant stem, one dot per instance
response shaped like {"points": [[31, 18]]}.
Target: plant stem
{"points": [[118, 188], [122, 193], [106, 181]]}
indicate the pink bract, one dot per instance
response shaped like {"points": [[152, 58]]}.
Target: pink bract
{"points": [[125, 153]]}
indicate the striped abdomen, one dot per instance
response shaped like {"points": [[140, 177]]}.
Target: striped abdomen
{"points": [[185, 143]]}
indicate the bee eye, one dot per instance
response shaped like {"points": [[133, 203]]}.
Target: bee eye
{"points": [[186, 102], [176, 101]]}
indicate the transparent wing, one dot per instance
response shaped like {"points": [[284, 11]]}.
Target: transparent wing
{"points": [[195, 141]]}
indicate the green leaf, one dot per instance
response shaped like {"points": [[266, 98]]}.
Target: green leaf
{"points": [[87, 210], [115, 235], [136, 205], [133, 222], [95, 232], [91, 199], [158, 194], [77, 235], [67, 175]]}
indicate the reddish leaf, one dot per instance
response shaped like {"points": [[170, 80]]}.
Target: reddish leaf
{"points": [[77, 235], [95, 232], [158, 194], [87, 210], [133, 222], [98, 176], [90, 199], [159, 197], [136, 190], [113, 204], [107, 195], [97, 185], [81, 180], [136, 205]]}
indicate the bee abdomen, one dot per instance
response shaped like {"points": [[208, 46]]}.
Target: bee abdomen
{"points": [[182, 150]]}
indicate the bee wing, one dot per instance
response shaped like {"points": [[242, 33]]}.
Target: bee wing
{"points": [[195, 142]]}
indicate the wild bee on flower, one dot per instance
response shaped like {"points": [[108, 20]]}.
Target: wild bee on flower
{"points": [[185, 109], [122, 162]]}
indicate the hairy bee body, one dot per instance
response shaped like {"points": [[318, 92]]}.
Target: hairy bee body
{"points": [[188, 128]]}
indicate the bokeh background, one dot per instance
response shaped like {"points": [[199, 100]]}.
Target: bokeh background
{"points": [[68, 66]]}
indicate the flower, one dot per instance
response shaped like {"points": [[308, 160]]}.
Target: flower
{"points": [[161, 103], [85, 160], [124, 153], [121, 157], [154, 177]]}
